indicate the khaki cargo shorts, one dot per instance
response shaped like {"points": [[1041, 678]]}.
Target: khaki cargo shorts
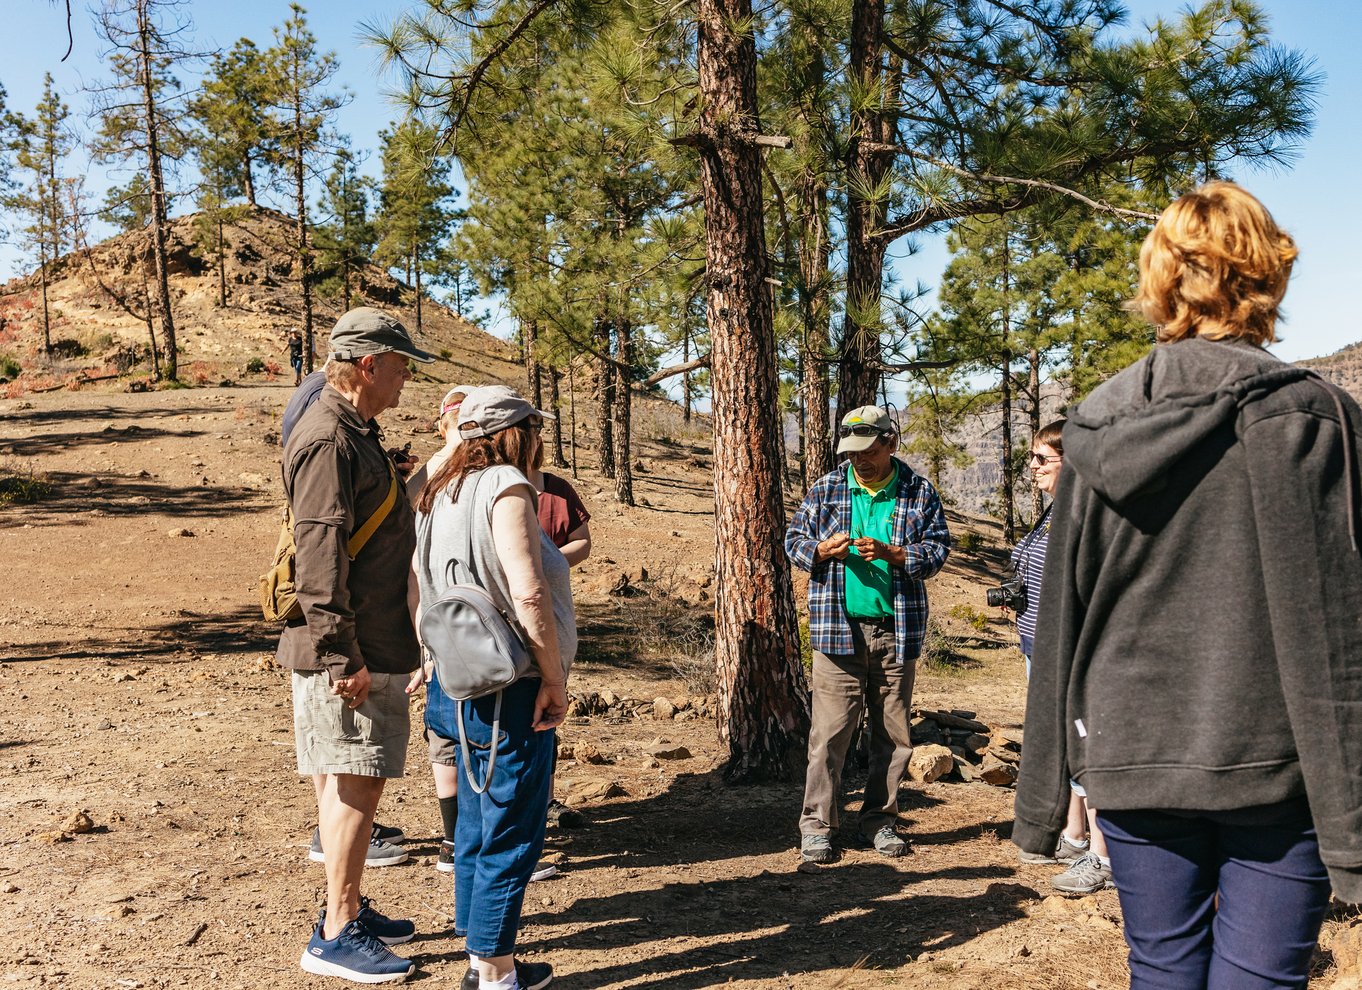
{"points": [[368, 741]]}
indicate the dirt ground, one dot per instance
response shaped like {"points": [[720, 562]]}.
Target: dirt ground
{"points": [[139, 688]]}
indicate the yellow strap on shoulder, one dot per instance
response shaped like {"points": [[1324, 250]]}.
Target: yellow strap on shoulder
{"points": [[362, 534]]}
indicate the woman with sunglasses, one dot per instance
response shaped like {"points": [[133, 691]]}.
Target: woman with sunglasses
{"points": [[1198, 668], [481, 502], [1080, 847]]}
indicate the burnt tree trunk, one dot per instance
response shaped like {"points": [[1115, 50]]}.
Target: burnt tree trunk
{"points": [[763, 699], [156, 180], [416, 270], [685, 378], [624, 468], [556, 457], [868, 162]]}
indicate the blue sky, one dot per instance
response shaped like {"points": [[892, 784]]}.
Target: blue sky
{"points": [[1319, 199]]}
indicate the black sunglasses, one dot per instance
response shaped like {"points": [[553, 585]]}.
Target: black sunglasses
{"points": [[863, 431], [1044, 459]]}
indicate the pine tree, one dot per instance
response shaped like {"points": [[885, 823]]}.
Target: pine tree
{"points": [[142, 117], [42, 145], [231, 108], [300, 111], [345, 236], [128, 209], [414, 215]]}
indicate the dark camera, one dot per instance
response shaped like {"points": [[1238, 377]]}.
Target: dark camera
{"points": [[1010, 594]]}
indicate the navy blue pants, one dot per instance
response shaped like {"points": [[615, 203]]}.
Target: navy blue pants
{"points": [[500, 834], [1264, 865]]}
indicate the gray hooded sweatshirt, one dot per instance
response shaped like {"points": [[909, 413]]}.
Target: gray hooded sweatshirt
{"points": [[1199, 644]]}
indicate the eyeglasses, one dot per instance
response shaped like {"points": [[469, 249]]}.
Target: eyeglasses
{"points": [[1044, 459], [536, 425], [862, 430]]}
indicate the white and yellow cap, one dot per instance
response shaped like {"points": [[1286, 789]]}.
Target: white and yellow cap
{"points": [[862, 427]]}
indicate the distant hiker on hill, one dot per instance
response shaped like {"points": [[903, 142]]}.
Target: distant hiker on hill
{"points": [[295, 355], [869, 533], [1198, 666], [353, 653]]}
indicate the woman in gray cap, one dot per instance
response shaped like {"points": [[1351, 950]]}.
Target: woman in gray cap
{"points": [[481, 500]]}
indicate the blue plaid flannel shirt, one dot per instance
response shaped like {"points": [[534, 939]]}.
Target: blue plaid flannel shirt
{"points": [[919, 526]]}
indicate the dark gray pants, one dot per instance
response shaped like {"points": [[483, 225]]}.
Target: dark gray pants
{"points": [[843, 685]]}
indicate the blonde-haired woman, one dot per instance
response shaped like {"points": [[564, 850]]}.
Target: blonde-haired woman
{"points": [[1199, 669]]}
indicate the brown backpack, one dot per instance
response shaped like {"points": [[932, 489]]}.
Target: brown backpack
{"points": [[278, 591]]}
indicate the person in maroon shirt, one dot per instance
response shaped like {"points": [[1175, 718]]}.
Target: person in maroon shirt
{"points": [[565, 520]]}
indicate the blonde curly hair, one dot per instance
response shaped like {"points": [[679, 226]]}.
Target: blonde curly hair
{"points": [[1215, 265]]}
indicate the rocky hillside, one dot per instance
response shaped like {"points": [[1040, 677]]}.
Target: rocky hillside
{"points": [[1343, 368], [97, 298]]}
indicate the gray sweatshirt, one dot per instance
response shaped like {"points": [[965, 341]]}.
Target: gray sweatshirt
{"points": [[1199, 644]]}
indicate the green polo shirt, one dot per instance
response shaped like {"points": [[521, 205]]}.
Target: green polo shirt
{"points": [[869, 584]]}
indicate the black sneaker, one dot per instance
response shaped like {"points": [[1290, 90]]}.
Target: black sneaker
{"points": [[561, 816], [389, 833], [445, 861], [355, 954], [529, 975]]}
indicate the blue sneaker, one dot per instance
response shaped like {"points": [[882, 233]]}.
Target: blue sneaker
{"points": [[355, 954], [389, 931]]}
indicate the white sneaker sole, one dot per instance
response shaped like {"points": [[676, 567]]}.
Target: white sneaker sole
{"points": [[544, 872], [398, 856], [444, 867], [320, 967]]}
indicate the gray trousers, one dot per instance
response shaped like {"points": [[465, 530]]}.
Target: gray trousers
{"points": [[843, 685]]}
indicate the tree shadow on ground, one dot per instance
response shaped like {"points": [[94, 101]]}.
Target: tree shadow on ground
{"points": [[119, 495], [38, 417], [180, 637], [763, 926], [48, 443]]}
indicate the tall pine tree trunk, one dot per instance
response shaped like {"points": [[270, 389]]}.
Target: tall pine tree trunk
{"points": [[222, 266], [605, 398], [556, 425], [248, 180], [624, 468], [868, 161], [156, 180], [1008, 480], [763, 699], [1033, 385], [534, 380], [685, 378], [816, 312], [47, 318], [416, 269], [304, 251]]}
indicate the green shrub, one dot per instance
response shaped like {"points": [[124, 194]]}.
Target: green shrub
{"points": [[970, 541], [255, 366], [20, 485], [444, 353], [9, 367], [970, 616]]}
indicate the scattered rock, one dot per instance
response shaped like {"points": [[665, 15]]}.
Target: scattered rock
{"points": [[596, 790], [585, 752], [9, 888], [79, 823], [180, 532], [977, 743], [1022, 952], [998, 774], [929, 763], [661, 749], [967, 771], [609, 699], [125, 675], [663, 708], [89, 483], [52, 838], [252, 480]]}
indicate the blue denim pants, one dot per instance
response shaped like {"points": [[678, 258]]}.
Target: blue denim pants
{"points": [[500, 834], [1263, 865]]}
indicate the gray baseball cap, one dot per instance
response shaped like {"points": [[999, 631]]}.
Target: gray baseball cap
{"points": [[492, 408], [371, 331], [862, 427]]}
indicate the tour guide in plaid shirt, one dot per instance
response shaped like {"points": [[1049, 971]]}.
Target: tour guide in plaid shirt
{"points": [[869, 533]]}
